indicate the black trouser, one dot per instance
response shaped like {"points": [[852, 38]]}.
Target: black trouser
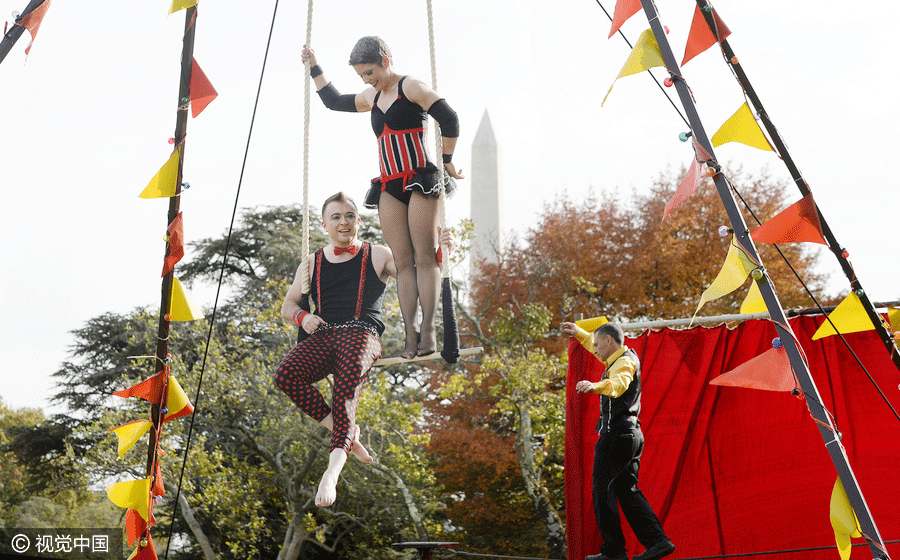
{"points": [[617, 457]]}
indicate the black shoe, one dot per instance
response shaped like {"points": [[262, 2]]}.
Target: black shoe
{"points": [[660, 549], [602, 556]]}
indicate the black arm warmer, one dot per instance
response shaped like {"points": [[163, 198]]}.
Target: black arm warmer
{"points": [[446, 117], [333, 99]]}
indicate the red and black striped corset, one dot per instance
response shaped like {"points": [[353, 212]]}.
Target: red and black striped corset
{"points": [[401, 138]]}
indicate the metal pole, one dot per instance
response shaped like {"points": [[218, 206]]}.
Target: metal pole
{"points": [[829, 433], [184, 98], [15, 32]]}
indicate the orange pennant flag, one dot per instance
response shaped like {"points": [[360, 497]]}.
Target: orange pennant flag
{"points": [[177, 401], [703, 156], [624, 10], [150, 389], [134, 525], [798, 222], [843, 520], [202, 90], [159, 488], [686, 188], [182, 306], [742, 127], [770, 371], [176, 244], [32, 22], [848, 317], [164, 182], [701, 37], [644, 56], [133, 494], [129, 434], [735, 270]]}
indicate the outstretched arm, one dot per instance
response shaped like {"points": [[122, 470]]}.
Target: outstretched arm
{"points": [[331, 97]]}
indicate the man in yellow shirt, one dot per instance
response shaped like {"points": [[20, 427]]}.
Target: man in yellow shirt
{"points": [[617, 455]]}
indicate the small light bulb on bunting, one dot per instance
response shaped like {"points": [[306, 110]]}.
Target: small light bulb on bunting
{"points": [[757, 274], [668, 82], [166, 238], [845, 254], [795, 391], [666, 29], [171, 141], [724, 231], [711, 171], [685, 136], [707, 8], [735, 61], [859, 292], [776, 343], [185, 186], [164, 411], [144, 543]]}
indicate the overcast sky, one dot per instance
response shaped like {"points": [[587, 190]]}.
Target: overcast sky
{"points": [[86, 119]]}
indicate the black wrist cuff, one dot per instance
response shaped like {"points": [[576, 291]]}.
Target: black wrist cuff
{"points": [[315, 71], [447, 158]]}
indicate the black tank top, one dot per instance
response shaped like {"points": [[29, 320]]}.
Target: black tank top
{"points": [[336, 290]]}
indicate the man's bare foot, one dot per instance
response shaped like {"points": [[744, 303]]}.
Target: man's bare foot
{"points": [[412, 343], [427, 341], [327, 493], [357, 448]]}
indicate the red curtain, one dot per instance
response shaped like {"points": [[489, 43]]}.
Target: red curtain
{"points": [[731, 470]]}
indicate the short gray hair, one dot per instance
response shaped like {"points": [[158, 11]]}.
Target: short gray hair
{"points": [[370, 49]]}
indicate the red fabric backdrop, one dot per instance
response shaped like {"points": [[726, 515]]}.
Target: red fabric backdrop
{"points": [[731, 470]]}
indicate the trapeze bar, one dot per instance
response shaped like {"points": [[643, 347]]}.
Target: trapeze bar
{"points": [[432, 356]]}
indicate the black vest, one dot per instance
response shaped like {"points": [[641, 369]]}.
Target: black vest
{"points": [[622, 413]]}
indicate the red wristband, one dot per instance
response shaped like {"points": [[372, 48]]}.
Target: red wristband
{"points": [[299, 315]]}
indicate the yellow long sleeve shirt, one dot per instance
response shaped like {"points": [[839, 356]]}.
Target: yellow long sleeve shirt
{"points": [[618, 374]]}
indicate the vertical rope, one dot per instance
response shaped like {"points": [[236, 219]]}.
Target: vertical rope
{"points": [[306, 103], [438, 142]]}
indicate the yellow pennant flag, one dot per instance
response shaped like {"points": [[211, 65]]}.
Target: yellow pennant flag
{"points": [[644, 56], [848, 317], [843, 520], [130, 433], [734, 272], [177, 401], [742, 127], [182, 306], [590, 325], [894, 318], [163, 183], [132, 494], [754, 303], [181, 5]]}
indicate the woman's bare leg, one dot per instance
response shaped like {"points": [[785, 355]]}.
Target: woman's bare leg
{"points": [[423, 233], [393, 215]]}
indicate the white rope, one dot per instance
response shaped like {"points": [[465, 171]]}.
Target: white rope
{"points": [[306, 103], [438, 144]]}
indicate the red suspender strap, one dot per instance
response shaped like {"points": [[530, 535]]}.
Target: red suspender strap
{"points": [[362, 279], [318, 275]]}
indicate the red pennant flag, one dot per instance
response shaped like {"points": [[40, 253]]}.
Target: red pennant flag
{"points": [[687, 187], [624, 10], [798, 222], [176, 244], [150, 389], [701, 37], [32, 22], [202, 91], [701, 153], [770, 371], [147, 552]]}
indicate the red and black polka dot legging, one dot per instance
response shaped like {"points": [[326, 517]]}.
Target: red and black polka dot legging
{"points": [[345, 352]]}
